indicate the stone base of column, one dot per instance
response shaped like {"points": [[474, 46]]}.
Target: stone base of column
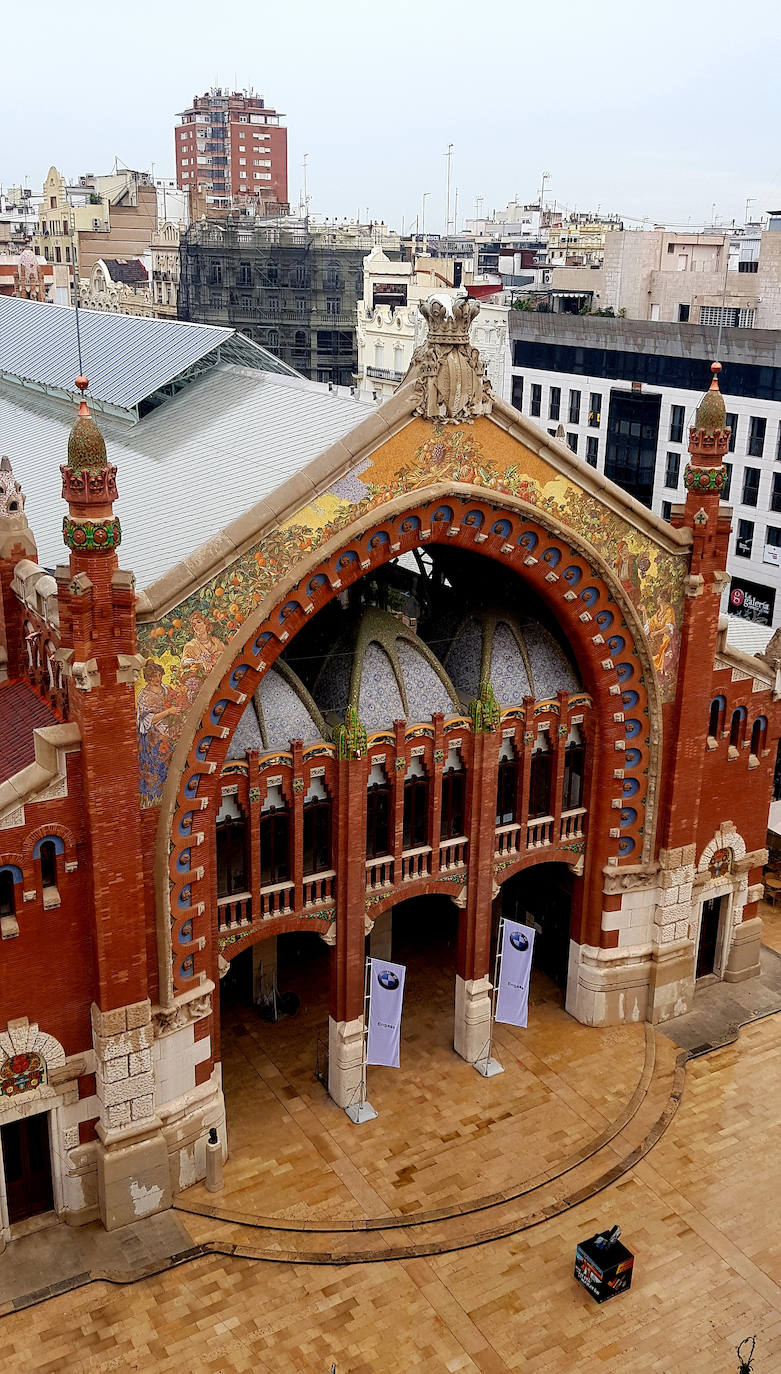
{"points": [[743, 960], [133, 1174], [345, 1068], [608, 987], [472, 1023]]}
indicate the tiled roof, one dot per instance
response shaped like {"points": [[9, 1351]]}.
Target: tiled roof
{"points": [[21, 712], [187, 469], [129, 272]]}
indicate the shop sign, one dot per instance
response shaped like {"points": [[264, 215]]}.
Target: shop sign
{"points": [[751, 601]]}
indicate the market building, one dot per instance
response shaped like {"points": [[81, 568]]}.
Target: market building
{"points": [[438, 659]]}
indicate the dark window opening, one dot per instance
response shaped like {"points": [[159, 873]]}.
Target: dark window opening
{"points": [[7, 902], [317, 835], [554, 405], [517, 393], [415, 832], [452, 823], [737, 727], [716, 718], [756, 436], [507, 792], [536, 401], [275, 847], [574, 407], [377, 820], [574, 767], [231, 858], [48, 864], [750, 486], [540, 784], [677, 418]]}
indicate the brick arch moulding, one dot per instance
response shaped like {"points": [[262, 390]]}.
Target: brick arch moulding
{"points": [[573, 580]]}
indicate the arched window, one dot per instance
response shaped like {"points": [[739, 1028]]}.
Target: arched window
{"points": [[415, 806], [574, 767], [737, 729], [48, 864], [317, 828], [245, 274], [299, 341], [377, 813], [758, 736], [507, 786], [453, 816], [716, 722], [540, 777], [7, 901]]}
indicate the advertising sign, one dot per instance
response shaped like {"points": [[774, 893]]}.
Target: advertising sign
{"points": [[512, 1002], [751, 601], [386, 998]]}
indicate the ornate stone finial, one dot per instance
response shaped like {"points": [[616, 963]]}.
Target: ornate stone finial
{"points": [[708, 443], [89, 485], [11, 494], [712, 412], [350, 738], [86, 446], [448, 372], [484, 711]]}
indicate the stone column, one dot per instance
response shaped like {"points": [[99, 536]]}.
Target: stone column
{"points": [[473, 984], [345, 1029]]}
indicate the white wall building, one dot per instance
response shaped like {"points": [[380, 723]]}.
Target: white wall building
{"points": [[390, 326], [625, 394]]}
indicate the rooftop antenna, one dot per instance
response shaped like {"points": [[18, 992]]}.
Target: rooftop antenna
{"points": [[78, 330]]}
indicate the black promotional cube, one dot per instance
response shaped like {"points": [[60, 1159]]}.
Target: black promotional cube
{"points": [[604, 1270]]}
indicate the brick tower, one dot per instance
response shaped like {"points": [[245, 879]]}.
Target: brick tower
{"points": [[99, 652]]}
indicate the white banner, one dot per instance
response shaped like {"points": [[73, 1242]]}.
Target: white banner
{"points": [[386, 997], [512, 1002]]}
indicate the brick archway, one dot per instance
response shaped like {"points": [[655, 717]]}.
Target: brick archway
{"points": [[601, 625]]}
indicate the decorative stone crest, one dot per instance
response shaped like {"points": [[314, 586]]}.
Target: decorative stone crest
{"points": [[704, 479], [484, 710], [350, 738], [449, 374]]}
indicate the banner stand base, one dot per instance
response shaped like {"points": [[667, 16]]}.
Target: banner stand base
{"points": [[360, 1112], [489, 1068]]}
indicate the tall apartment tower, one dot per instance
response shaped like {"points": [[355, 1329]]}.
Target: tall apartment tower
{"points": [[232, 149]]}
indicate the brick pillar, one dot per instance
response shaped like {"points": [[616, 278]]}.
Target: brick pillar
{"points": [[435, 790], [297, 825], [557, 778], [473, 985], [253, 792], [346, 1024], [397, 805]]}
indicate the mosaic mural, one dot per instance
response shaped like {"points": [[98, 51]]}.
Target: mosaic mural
{"points": [[184, 646]]}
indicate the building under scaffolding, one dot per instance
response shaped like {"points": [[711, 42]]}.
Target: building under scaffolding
{"points": [[291, 287]]}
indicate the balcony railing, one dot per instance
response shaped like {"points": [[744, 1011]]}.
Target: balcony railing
{"points": [[539, 832], [572, 823], [384, 374], [276, 900], [508, 839], [379, 873], [234, 912], [319, 888], [452, 853], [415, 863]]}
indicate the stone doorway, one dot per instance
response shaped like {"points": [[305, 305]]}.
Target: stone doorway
{"points": [[27, 1167], [542, 897], [708, 943]]}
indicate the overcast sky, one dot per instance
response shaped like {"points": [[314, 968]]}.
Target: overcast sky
{"points": [[656, 110]]}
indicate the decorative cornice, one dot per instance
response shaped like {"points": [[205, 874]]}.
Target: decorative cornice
{"points": [[92, 536]]}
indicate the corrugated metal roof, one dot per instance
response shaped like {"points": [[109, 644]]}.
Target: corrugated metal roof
{"points": [[126, 357], [185, 470]]}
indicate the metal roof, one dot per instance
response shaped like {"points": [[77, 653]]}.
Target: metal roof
{"points": [[126, 357], [187, 468]]}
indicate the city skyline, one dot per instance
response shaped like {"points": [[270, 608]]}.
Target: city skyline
{"points": [[376, 138]]}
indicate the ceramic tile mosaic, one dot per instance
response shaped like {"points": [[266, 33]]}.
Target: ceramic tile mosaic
{"points": [[551, 669], [426, 693], [508, 675], [379, 702], [285, 716]]}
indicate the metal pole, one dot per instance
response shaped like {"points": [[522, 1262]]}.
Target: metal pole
{"points": [[363, 1110], [448, 157], [489, 1067]]}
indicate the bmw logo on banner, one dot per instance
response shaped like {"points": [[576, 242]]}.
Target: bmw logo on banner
{"points": [[386, 997], [517, 947]]}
